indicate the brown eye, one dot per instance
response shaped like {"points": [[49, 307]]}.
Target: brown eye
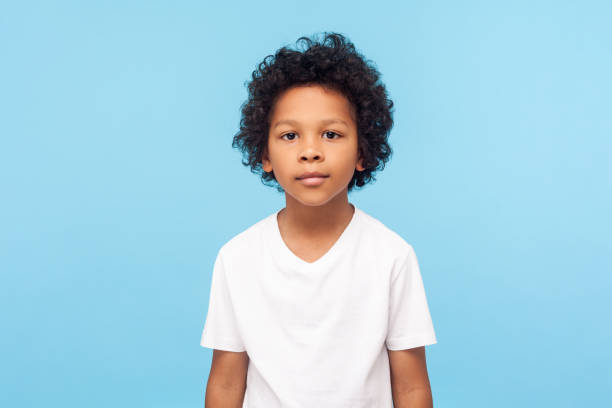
{"points": [[333, 133], [287, 134]]}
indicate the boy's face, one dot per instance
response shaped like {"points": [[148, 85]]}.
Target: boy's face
{"points": [[312, 129]]}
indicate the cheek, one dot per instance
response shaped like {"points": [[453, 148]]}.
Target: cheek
{"points": [[284, 169], [274, 155], [350, 155]]}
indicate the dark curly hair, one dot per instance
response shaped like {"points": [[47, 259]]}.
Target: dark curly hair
{"points": [[334, 64]]}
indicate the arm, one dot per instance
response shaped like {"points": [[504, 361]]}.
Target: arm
{"points": [[227, 379], [409, 380]]}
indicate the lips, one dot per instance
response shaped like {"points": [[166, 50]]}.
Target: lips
{"points": [[312, 174], [313, 181]]}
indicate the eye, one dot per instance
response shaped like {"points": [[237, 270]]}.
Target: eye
{"points": [[287, 134], [333, 133]]}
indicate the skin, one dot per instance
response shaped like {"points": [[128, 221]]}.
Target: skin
{"points": [[409, 379], [227, 379], [314, 217]]}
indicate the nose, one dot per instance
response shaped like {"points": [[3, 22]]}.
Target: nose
{"points": [[311, 151], [311, 154]]}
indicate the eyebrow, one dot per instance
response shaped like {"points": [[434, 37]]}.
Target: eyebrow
{"points": [[323, 122]]}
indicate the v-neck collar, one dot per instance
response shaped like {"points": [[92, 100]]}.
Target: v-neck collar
{"points": [[292, 259]]}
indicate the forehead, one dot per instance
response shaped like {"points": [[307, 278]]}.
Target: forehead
{"points": [[306, 102]]}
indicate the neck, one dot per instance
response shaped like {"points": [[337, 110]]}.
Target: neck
{"points": [[308, 219]]}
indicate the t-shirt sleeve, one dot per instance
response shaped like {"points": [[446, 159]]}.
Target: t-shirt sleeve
{"points": [[410, 323], [220, 328]]}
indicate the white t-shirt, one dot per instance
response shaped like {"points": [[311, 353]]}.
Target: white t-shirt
{"points": [[317, 333]]}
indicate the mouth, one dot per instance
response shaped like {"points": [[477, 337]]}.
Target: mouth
{"points": [[307, 177], [310, 174], [312, 180]]}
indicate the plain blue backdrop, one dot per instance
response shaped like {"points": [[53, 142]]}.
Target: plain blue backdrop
{"points": [[119, 184]]}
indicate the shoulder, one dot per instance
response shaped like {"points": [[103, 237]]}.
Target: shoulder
{"points": [[247, 240], [385, 240]]}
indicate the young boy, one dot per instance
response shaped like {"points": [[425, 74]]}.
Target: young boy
{"points": [[318, 304]]}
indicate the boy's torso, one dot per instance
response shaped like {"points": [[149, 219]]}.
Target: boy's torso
{"points": [[314, 328]]}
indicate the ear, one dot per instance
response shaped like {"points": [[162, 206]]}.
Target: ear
{"points": [[265, 162], [359, 165]]}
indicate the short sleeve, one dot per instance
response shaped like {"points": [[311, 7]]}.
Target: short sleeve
{"points": [[221, 329], [410, 323]]}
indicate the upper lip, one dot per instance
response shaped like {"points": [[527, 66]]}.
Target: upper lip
{"points": [[311, 174]]}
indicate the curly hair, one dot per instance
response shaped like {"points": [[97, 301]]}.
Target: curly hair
{"points": [[334, 64]]}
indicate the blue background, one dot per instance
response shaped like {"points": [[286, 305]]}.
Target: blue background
{"points": [[119, 185]]}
